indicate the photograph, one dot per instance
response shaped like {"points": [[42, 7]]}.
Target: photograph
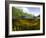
{"points": [[24, 19]]}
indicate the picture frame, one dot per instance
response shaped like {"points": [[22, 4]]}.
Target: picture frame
{"points": [[8, 14]]}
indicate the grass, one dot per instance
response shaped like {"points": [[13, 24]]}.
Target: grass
{"points": [[25, 24]]}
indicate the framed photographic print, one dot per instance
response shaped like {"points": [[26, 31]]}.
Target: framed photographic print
{"points": [[24, 18]]}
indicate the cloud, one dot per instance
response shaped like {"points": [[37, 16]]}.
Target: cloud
{"points": [[27, 11]]}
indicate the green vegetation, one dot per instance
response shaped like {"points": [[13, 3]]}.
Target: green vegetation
{"points": [[23, 24], [19, 12]]}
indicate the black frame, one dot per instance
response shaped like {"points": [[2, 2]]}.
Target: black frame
{"points": [[7, 15]]}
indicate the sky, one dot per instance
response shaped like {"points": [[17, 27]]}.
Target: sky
{"points": [[31, 10]]}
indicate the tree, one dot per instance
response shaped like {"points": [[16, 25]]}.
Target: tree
{"points": [[19, 12]]}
